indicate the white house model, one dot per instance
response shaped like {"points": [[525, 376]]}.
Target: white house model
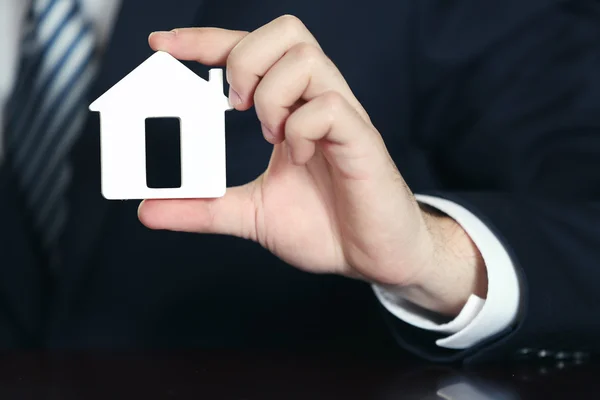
{"points": [[163, 87]]}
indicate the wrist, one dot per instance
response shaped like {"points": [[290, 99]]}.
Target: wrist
{"points": [[453, 268]]}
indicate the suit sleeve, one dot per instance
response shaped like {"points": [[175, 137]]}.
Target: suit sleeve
{"points": [[509, 110]]}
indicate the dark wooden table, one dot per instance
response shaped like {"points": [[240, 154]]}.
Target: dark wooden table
{"points": [[244, 376]]}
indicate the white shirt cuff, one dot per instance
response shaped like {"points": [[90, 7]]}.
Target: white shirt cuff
{"points": [[479, 318]]}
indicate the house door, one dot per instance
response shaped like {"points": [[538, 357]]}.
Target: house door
{"points": [[163, 153]]}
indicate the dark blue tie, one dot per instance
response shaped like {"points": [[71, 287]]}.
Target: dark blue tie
{"points": [[47, 109]]}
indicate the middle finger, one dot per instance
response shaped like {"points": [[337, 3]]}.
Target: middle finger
{"points": [[257, 52], [303, 73]]}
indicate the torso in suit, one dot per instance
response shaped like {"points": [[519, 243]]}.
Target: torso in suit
{"points": [[430, 89], [123, 285]]}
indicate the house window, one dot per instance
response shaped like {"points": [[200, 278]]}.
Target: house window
{"points": [[163, 153]]}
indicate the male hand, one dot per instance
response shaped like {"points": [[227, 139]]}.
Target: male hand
{"points": [[331, 199]]}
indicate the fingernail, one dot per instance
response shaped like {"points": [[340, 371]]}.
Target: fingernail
{"points": [[139, 208], [164, 34], [234, 98], [268, 133], [289, 154]]}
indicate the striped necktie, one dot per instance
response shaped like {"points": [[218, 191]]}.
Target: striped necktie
{"points": [[47, 109]]}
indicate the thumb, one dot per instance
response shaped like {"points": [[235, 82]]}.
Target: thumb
{"points": [[232, 214], [208, 46]]}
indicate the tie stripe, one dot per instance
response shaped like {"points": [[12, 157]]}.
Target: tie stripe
{"points": [[54, 92], [60, 42], [47, 163], [61, 119], [48, 109], [50, 174], [36, 44]]}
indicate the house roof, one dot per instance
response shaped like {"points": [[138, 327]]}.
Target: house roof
{"points": [[161, 76]]}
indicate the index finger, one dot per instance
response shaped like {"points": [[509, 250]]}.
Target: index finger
{"points": [[248, 55]]}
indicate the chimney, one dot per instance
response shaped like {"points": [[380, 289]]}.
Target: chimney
{"points": [[215, 80], [215, 77]]}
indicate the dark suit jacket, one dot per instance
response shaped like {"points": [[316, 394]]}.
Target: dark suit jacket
{"points": [[494, 105]]}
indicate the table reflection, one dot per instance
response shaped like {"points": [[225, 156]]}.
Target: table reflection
{"points": [[263, 375]]}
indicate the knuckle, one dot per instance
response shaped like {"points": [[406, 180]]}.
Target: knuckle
{"points": [[260, 97], [263, 99], [307, 53], [291, 22], [292, 127], [235, 60], [333, 102]]}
